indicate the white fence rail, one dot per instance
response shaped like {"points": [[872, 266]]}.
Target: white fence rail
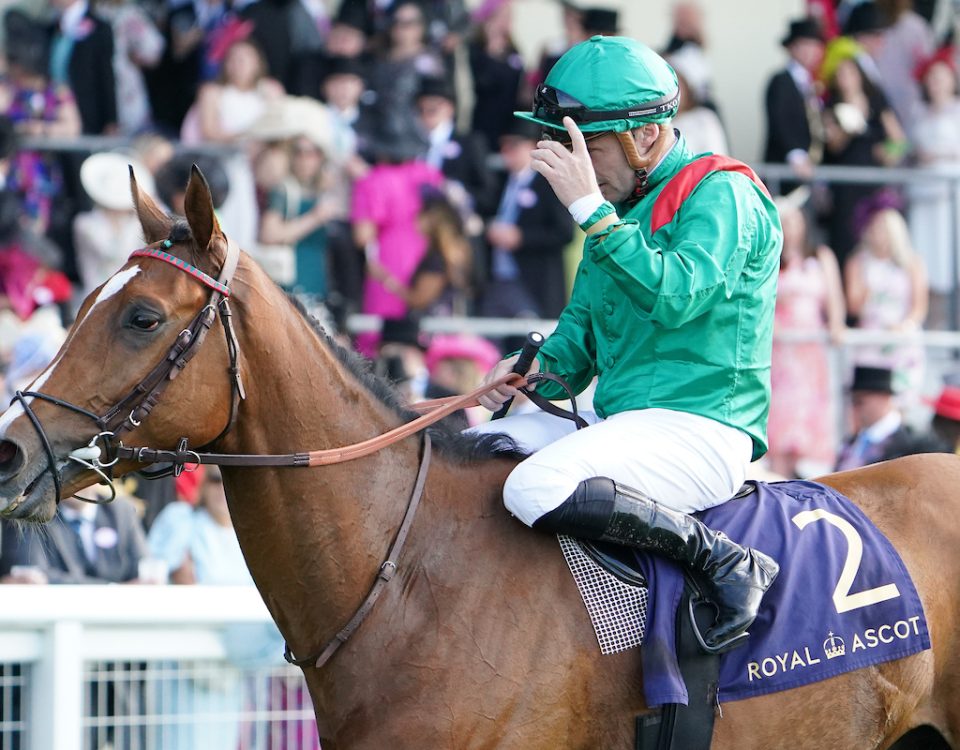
{"points": [[146, 668]]}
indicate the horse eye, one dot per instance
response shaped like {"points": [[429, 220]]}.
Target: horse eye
{"points": [[144, 321]]}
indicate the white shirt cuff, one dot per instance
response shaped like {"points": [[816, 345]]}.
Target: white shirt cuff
{"points": [[582, 208]]}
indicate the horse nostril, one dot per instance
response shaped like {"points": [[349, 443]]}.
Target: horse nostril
{"points": [[11, 458]]}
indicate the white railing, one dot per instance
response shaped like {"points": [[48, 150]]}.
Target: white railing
{"points": [[67, 638]]}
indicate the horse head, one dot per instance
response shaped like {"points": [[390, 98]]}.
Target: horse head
{"points": [[131, 339]]}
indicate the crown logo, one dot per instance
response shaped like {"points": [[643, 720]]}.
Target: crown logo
{"points": [[834, 646]]}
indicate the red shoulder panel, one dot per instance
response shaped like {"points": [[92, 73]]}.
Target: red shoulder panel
{"points": [[680, 186]]}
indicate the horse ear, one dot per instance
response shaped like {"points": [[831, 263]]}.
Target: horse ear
{"points": [[198, 206], [155, 223]]}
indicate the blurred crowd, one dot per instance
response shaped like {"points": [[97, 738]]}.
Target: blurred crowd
{"points": [[366, 154]]}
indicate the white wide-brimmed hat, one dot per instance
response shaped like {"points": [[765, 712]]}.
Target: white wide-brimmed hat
{"points": [[295, 116], [106, 178]]}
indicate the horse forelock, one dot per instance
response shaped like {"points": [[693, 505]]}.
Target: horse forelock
{"points": [[181, 235]]}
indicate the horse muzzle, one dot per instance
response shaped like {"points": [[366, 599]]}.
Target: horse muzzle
{"points": [[27, 493], [27, 487]]}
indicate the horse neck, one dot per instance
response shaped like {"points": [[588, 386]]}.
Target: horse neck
{"points": [[313, 538]]}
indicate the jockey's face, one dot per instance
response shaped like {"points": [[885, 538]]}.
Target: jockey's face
{"points": [[615, 176]]}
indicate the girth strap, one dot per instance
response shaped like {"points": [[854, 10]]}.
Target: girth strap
{"points": [[690, 727]]}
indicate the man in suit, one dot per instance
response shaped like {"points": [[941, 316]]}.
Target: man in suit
{"points": [[461, 157], [526, 237], [794, 124], [879, 433], [866, 24], [81, 57], [91, 544]]}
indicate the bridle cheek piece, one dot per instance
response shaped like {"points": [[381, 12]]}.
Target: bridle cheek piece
{"points": [[130, 411]]}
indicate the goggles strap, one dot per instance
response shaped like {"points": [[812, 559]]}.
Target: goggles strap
{"points": [[642, 164]]}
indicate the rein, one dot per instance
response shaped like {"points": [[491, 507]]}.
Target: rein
{"points": [[436, 410]]}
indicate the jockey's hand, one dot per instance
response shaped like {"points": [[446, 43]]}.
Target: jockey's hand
{"points": [[496, 398], [570, 173]]}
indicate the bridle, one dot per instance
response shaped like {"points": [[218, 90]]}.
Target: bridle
{"points": [[129, 412]]}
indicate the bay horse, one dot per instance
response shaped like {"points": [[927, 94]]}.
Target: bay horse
{"points": [[480, 640]]}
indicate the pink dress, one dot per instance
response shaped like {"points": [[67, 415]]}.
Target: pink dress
{"points": [[802, 420], [389, 196]]}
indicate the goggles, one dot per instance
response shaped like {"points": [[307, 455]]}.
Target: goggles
{"points": [[552, 104], [563, 137]]}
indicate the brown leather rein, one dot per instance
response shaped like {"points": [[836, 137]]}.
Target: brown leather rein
{"points": [[434, 411]]}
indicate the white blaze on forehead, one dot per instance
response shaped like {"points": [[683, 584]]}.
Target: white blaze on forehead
{"points": [[114, 284]]}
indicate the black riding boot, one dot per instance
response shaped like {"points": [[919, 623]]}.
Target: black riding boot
{"points": [[734, 577]]}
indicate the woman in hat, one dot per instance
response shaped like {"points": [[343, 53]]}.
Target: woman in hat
{"points": [[29, 278], [861, 131], [456, 362], [945, 424], [297, 214], [442, 282], [104, 236]]}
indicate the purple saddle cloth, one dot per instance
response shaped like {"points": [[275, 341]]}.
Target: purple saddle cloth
{"points": [[843, 599]]}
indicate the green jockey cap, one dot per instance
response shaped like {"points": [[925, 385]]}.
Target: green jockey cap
{"points": [[607, 83]]}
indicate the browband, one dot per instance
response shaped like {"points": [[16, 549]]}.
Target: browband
{"points": [[173, 260]]}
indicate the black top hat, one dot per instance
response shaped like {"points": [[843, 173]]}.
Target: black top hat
{"points": [[878, 379], [600, 20], [354, 15], [802, 28], [436, 86], [865, 18], [337, 65]]}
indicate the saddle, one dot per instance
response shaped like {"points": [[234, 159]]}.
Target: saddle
{"points": [[843, 601]]}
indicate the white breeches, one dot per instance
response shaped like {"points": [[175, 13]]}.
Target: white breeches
{"points": [[685, 461]]}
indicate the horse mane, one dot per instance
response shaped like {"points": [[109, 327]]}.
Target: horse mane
{"points": [[456, 446]]}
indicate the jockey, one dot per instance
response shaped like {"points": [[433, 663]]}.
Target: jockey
{"points": [[675, 322]]}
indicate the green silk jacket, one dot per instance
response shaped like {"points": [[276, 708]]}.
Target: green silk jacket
{"points": [[682, 319]]}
